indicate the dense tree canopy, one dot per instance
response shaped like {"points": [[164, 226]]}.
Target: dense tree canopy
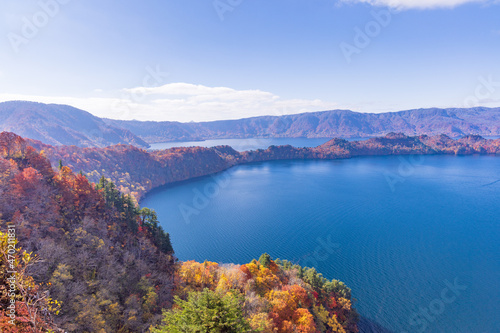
{"points": [[26, 305], [206, 311], [136, 171], [277, 296], [107, 263], [92, 260]]}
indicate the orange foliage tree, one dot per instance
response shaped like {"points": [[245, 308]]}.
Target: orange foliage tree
{"points": [[273, 303]]}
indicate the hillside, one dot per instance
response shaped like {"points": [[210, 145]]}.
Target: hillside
{"points": [[106, 262], [91, 260], [87, 259], [137, 171], [326, 124], [62, 125]]}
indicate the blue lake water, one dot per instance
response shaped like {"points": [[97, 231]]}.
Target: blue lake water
{"points": [[244, 144], [252, 143], [417, 239]]}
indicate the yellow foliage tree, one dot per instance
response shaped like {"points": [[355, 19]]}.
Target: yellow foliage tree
{"points": [[335, 325], [262, 323], [304, 321], [198, 276], [263, 278]]}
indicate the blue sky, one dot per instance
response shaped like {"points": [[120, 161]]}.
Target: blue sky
{"points": [[204, 60]]}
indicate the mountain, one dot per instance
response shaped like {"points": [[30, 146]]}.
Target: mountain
{"points": [[86, 258], [62, 125], [328, 124], [65, 125]]}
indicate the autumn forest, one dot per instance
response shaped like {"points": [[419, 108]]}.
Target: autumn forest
{"points": [[89, 259]]}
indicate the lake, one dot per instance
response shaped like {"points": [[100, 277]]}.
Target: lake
{"points": [[252, 143], [244, 144], [415, 238]]}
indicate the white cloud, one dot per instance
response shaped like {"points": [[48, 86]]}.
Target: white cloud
{"points": [[188, 102], [419, 4], [183, 102]]}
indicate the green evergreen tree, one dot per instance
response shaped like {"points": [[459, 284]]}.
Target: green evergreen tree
{"points": [[102, 183], [149, 220], [265, 260], [204, 312], [339, 288], [314, 278]]}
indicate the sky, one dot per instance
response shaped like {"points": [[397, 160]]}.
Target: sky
{"points": [[202, 60]]}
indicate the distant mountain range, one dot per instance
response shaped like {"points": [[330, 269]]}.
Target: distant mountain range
{"points": [[326, 124], [65, 125], [62, 125]]}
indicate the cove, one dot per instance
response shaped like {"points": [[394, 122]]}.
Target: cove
{"points": [[416, 239]]}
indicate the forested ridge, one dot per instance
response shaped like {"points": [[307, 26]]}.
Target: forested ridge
{"points": [[454, 122], [88, 259], [57, 124], [108, 263], [65, 125], [137, 171]]}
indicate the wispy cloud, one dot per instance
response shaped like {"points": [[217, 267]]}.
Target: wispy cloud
{"points": [[184, 102], [190, 102], [419, 4]]}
